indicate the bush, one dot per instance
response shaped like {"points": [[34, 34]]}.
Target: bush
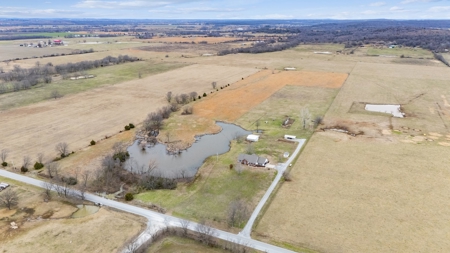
{"points": [[131, 125], [231, 166], [23, 169], [70, 180], [204, 94], [129, 196], [127, 128], [93, 143], [4, 164], [199, 97], [38, 166], [122, 156]]}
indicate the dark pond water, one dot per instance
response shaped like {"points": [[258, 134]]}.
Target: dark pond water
{"points": [[187, 162]]}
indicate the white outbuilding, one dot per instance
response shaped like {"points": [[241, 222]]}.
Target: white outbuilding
{"points": [[290, 137], [253, 138]]}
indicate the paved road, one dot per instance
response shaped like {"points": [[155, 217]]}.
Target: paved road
{"points": [[281, 167], [156, 220]]}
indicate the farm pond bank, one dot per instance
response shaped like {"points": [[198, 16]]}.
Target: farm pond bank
{"points": [[187, 162]]}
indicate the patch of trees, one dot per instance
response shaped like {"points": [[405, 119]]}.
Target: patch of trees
{"points": [[21, 79], [23, 37]]}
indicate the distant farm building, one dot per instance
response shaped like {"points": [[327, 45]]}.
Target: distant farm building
{"points": [[290, 137], [290, 69], [253, 138], [58, 42], [253, 160]]}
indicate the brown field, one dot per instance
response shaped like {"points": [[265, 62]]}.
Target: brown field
{"points": [[79, 118], [234, 101], [191, 39], [48, 227], [383, 191]]}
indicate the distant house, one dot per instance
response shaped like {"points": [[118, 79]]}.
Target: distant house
{"points": [[253, 160], [287, 69], [58, 42]]}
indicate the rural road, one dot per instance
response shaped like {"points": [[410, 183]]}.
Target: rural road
{"points": [[281, 167], [157, 221]]}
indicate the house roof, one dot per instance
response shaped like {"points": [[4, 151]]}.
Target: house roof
{"points": [[252, 159], [262, 160]]}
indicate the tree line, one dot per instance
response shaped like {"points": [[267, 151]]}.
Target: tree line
{"points": [[21, 79]]}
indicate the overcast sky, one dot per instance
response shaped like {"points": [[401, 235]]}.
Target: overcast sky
{"points": [[227, 9]]}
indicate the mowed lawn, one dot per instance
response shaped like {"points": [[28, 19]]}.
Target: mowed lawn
{"points": [[382, 191]]}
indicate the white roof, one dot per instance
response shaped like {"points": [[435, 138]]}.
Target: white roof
{"points": [[253, 137]]}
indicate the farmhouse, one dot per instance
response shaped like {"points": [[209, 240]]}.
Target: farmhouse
{"points": [[253, 160], [58, 42]]}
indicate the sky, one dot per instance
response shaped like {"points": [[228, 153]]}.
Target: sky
{"points": [[226, 9]]}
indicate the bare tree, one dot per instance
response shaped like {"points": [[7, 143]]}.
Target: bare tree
{"points": [[305, 116], [26, 161], [63, 149], [287, 176], [250, 150], [193, 95], [53, 170], [169, 96], [4, 155], [239, 168], [131, 247], [9, 198], [168, 136], [257, 123], [206, 233], [317, 121], [214, 85], [40, 158], [238, 213], [47, 190], [187, 110], [184, 226], [85, 177]]}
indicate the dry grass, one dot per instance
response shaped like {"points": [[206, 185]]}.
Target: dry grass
{"points": [[191, 39], [47, 227], [174, 244], [92, 115], [366, 193]]}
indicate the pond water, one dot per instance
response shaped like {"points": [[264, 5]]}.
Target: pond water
{"points": [[85, 210], [188, 161], [395, 110]]}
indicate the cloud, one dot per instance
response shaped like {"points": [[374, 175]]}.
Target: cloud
{"points": [[419, 1], [439, 9], [396, 9], [94, 4], [194, 10], [377, 4], [23, 12]]}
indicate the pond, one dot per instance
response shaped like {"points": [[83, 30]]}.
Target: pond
{"points": [[186, 163], [85, 210], [395, 110]]}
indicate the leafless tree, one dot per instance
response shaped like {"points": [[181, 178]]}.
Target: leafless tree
{"points": [[53, 170], [193, 95], [85, 177], [187, 110], [305, 115], [169, 96], [26, 161], [47, 190], [40, 158], [250, 149], [119, 147], [214, 85], [4, 155], [132, 247], [287, 176], [184, 98], [168, 136], [206, 233], [62, 148], [184, 226], [238, 213], [9, 198], [257, 123], [55, 94], [317, 121], [38, 64]]}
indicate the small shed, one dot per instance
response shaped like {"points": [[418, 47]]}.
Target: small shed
{"points": [[253, 138], [290, 69], [290, 137]]}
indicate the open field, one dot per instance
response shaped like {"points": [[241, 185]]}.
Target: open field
{"points": [[366, 193], [192, 39], [175, 244], [105, 76], [399, 51], [48, 227], [79, 118], [13, 51]]}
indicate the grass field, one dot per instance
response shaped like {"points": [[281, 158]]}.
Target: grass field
{"points": [[367, 193], [178, 244], [103, 77], [399, 51], [48, 227], [191, 39]]}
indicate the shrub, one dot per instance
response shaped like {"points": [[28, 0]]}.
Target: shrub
{"points": [[127, 128], [231, 166], [38, 166], [24, 169], [4, 164], [199, 97], [122, 156], [70, 180], [204, 94], [93, 143], [131, 125], [129, 196]]}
